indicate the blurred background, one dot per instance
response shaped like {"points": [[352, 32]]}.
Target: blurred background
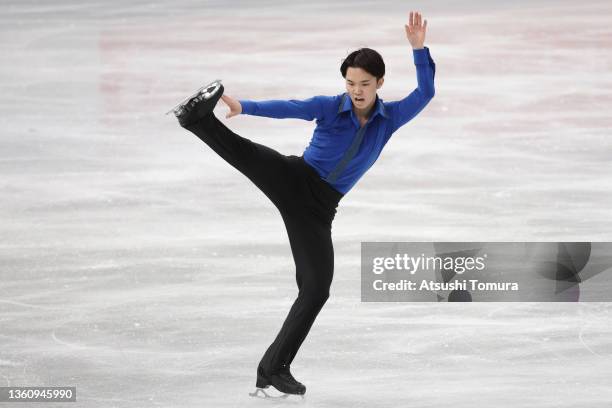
{"points": [[139, 267]]}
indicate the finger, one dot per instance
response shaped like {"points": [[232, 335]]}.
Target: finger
{"points": [[418, 19], [410, 19], [425, 25]]}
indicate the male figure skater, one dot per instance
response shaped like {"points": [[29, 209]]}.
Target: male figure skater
{"points": [[352, 129]]}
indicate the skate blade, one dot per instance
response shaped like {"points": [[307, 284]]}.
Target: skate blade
{"points": [[216, 83], [272, 393]]}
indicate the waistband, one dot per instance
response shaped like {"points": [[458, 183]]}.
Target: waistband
{"points": [[330, 194]]}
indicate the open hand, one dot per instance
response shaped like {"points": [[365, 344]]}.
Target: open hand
{"points": [[415, 30], [233, 104]]}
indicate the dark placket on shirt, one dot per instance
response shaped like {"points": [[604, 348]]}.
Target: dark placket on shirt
{"points": [[350, 152]]}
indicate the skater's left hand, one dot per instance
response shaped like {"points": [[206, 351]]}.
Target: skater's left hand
{"points": [[415, 31]]}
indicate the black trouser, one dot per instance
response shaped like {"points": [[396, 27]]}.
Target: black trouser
{"points": [[307, 204]]}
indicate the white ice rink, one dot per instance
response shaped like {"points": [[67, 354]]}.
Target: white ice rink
{"points": [[139, 267]]}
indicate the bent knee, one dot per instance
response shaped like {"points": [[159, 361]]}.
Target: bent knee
{"points": [[316, 297]]}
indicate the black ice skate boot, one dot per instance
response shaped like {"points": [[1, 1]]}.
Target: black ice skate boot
{"points": [[198, 105], [282, 380]]}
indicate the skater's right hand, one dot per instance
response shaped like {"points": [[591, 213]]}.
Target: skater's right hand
{"points": [[233, 104]]}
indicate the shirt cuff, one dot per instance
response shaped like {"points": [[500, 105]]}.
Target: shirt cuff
{"points": [[248, 107], [421, 56]]}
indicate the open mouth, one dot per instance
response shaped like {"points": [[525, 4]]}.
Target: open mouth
{"points": [[359, 99]]}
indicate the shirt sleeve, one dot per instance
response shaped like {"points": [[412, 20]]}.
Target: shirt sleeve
{"points": [[406, 109], [307, 109]]}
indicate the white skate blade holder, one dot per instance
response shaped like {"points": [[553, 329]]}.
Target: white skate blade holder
{"points": [[272, 393], [211, 89]]}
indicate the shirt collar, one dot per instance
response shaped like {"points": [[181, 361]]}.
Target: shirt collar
{"points": [[346, 104]]}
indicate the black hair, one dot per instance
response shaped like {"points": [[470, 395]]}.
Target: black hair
{"points": [[366, 59]]}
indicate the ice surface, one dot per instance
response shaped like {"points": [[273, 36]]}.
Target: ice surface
{"points": [[141, 268]]}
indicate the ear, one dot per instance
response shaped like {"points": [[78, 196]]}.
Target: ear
{"points": [[380, 82]]}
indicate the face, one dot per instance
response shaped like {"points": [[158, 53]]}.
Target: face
{"points": [[361, 87]]}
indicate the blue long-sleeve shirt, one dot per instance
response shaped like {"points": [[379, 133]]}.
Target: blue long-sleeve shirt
{"points": [[338, 130]]}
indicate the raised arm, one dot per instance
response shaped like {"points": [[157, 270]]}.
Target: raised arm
{"points": [[307, 109], [410, 106]]}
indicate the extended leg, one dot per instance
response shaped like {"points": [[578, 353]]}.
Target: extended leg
{"points": [[265, 167]]}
